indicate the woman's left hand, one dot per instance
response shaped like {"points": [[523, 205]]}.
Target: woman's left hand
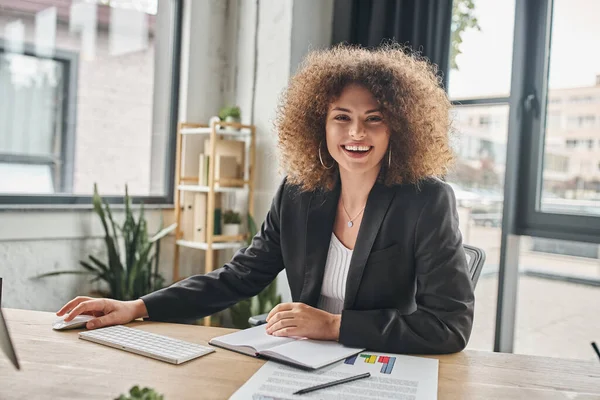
{"points": [[299, 319]]}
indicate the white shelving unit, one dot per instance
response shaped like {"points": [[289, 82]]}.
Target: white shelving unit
{"points": [[224, 132], [215, 246], [214, 131], [206, 189]]}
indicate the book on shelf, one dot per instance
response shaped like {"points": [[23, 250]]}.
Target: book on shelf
{"points": [[226, 167], [217, 228], [228, 148], [187, 215], [203, 169], [199, 216], [301, 352]]}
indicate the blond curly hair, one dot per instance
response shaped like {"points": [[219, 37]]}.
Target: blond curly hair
{"points": [[414, 106]]}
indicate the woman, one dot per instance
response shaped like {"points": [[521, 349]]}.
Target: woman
{"points": [[367, 234]]}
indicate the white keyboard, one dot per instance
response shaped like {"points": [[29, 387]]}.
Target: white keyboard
{"points": [[147, 344]]}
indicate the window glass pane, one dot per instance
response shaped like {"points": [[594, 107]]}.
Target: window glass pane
{"points": [[30, 104], [571, 174], [26, 178], [481, 48], [558, 298], [478, 183], [78, 93]]}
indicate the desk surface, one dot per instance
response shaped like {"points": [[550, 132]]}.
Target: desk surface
{"points": [[59, 365]]}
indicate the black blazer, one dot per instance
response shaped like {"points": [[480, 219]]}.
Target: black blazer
{"points": [[408, 288]]}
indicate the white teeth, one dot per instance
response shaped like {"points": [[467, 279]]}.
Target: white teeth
{"points": [[357, 148]]}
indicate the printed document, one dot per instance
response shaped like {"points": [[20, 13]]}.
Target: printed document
{"points": [[393, 376]]}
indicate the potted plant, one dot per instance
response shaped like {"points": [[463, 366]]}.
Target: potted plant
{"points": [[259, 304], [231, 223], [135, 393], [231, 114], [131, 272]]}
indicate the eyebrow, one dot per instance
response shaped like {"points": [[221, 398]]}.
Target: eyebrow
{"points": [[348, 111]]}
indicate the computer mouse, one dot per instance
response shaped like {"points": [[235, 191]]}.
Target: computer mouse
{"points": [[77, 322]]}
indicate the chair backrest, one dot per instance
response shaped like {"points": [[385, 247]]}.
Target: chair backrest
{"points": [[475, 261]]}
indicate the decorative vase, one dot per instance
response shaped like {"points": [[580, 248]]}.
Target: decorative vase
{"points": [[231, 229]]}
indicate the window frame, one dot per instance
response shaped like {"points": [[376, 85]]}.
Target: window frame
{"points": [[10, 201], [70, 63], [525, 151], [531, 117], [525, 164]]}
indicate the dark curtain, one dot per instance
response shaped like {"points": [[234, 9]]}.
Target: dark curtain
{"points": [[424, 25]]}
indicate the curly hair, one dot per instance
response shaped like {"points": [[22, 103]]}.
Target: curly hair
{"points": [[414, 106]]}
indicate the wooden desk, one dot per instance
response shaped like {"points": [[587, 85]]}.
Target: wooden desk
{"points": [[57, 365]]}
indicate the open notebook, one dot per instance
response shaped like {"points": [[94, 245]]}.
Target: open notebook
{"points": [[305, 353]]}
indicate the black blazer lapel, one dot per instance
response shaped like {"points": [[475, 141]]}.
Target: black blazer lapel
{"points": [[319, 226], [378, 203]]}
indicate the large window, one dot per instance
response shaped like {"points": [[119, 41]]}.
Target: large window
{"points": [[548, 273], [525, 177], [88, 95], [575, 190], [559, 285], [479, 87], [559, 104]]}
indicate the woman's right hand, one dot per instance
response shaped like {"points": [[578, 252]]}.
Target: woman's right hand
{"points": [[108, 311]]}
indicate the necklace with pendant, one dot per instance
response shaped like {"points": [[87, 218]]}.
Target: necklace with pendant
{"points": [[350, 220]]}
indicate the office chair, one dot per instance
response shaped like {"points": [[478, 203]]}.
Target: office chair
{"points": [[475, 261]]}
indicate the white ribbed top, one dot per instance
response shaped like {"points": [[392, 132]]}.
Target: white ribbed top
{"points": [[333, 289]]}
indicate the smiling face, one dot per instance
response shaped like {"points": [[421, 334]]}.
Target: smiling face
{"points": [[357, 135]]}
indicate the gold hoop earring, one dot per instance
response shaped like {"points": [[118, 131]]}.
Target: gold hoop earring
{"points": [[390, 157], [321, 158]]}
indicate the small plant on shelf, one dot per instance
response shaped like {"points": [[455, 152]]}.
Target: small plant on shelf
{"points": [[231, 223], [231, 114], [232, 217]]}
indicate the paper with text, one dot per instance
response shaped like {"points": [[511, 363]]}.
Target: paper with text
{"points": [[392, 377]]}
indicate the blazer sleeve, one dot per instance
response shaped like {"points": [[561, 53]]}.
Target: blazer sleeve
{"points": [[250, 270], [443, 319]]}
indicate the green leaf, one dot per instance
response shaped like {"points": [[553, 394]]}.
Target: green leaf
{"points": [[463, 18], [134, 275], [90, 267], [56, 273], [164, 232], [112, 223], [99, 263], [97, 278], [133, 245], [152, 282], [135, 391], [97, 203], [114, 261]]}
